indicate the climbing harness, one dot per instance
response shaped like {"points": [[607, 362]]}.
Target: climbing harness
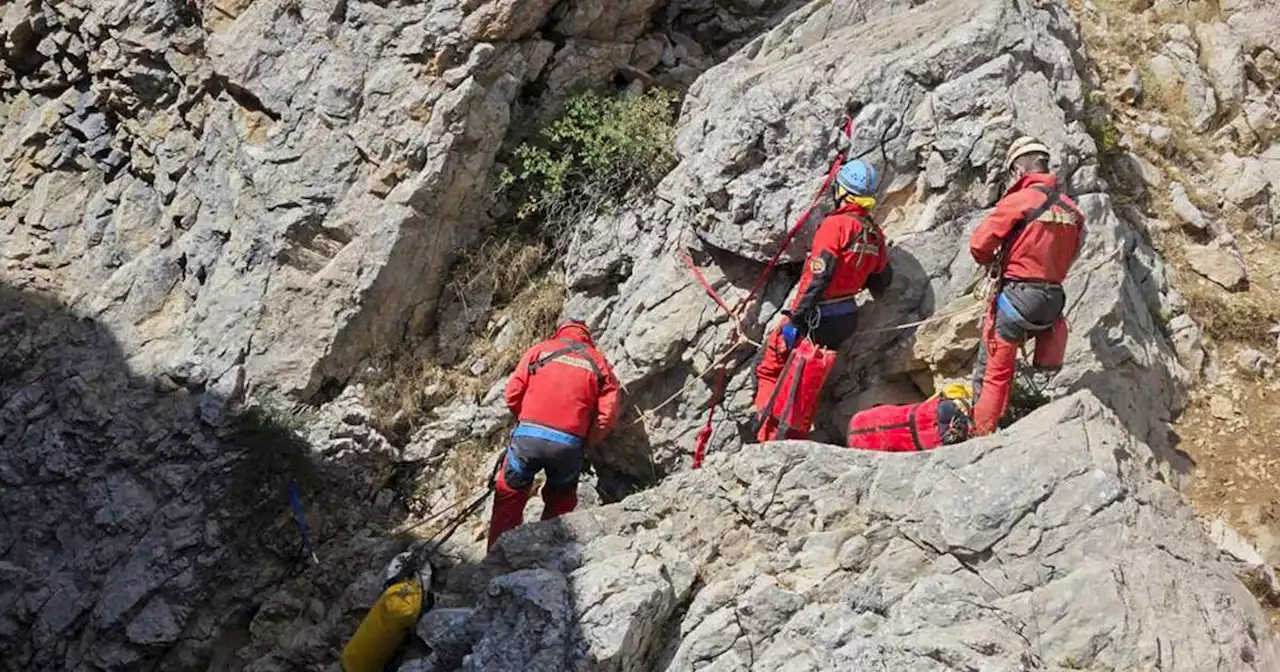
{"points": [[735, 314], [572, 355]]}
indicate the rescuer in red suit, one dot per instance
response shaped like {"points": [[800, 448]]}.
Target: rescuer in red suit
{"points": [[849, 253], [1030, 241], [565, 396]]}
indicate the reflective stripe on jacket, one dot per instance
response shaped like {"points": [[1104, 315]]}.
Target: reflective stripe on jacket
{"points": [[1043, 250]]}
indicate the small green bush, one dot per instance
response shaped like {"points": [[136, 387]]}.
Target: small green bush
{"points": [[599, 149], [1024, 398]]}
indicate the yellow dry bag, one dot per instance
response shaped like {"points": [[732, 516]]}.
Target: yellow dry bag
{"points": [[383, 628]]}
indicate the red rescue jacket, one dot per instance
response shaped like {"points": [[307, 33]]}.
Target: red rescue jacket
{"points": [[848, 253], [1043, 250], [574, 392], [897, 429]]}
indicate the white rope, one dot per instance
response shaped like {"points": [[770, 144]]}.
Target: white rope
{"points": [[979, 305], [936, 318], [645, 415]]}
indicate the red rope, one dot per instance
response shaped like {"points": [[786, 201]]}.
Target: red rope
{"points": [[702, 280], [704, 435], [795, 228]]}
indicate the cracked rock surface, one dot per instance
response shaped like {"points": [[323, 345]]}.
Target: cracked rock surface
{"points": [[200, 199], [281, 184], [1047, 547], [133, 536]]}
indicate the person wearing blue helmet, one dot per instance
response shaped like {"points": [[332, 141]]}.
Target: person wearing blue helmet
{"points": [[849, 253]]}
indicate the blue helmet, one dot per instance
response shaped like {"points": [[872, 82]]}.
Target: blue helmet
{"points": [[858, 178]]}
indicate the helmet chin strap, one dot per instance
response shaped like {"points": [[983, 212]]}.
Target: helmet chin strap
{"points": [[843, 196]]}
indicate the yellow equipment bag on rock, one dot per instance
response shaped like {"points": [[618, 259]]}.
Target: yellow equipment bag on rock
{"points": [[384, 627]]}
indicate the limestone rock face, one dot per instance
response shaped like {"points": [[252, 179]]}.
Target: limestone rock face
{"points": [[279, 184], [1221, 264], [202, 202], [1050, 547], [946, 86], [133, 535], [1256, 21], [1177, 69]]}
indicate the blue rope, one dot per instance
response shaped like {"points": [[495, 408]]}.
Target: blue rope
{"points": [[295, 500]]}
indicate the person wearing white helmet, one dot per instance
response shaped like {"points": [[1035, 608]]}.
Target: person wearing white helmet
{"points": [[1029, 242], [849, 253]]}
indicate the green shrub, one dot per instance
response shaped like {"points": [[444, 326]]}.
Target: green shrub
{"points": [[1024, 398], [599, 149]]}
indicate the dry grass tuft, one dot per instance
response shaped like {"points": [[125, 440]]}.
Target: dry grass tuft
{"points": [[1192, 12], [407, 389], [1232, 317], [507, 264], [536, 307], [403, 386]]}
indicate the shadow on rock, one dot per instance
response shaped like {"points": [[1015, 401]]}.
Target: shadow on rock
{"points": [[1133, 411], [1036, 542], [875, 364], [136, 534], [551, 598]]}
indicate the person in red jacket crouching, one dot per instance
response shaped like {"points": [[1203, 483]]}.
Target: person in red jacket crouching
{"points": [[565, 397]]}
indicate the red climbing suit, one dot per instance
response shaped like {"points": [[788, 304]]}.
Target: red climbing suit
{"points": [[848, 254], [1035, 256], [897, 429], [566, 398], [566, 395]]}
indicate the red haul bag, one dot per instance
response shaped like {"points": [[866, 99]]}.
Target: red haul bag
{"points": [[790, 409]]}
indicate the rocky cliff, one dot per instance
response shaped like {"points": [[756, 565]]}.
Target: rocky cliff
{"points": [[938, 91], [276, 188], [208, 201], [1042, 549]]}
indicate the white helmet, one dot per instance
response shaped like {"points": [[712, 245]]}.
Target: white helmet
{"points": [[1021, 147]]}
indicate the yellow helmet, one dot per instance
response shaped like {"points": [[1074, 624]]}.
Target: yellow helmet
{"points": [[957, 391], [1021, 147]]}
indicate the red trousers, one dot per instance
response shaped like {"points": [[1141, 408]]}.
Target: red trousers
{"points": [[524, 458], [508, 506], [1002, 336], [767, 372]]}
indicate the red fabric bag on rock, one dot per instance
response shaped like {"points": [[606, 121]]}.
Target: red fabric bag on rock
{"points": [[791, 404]]}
